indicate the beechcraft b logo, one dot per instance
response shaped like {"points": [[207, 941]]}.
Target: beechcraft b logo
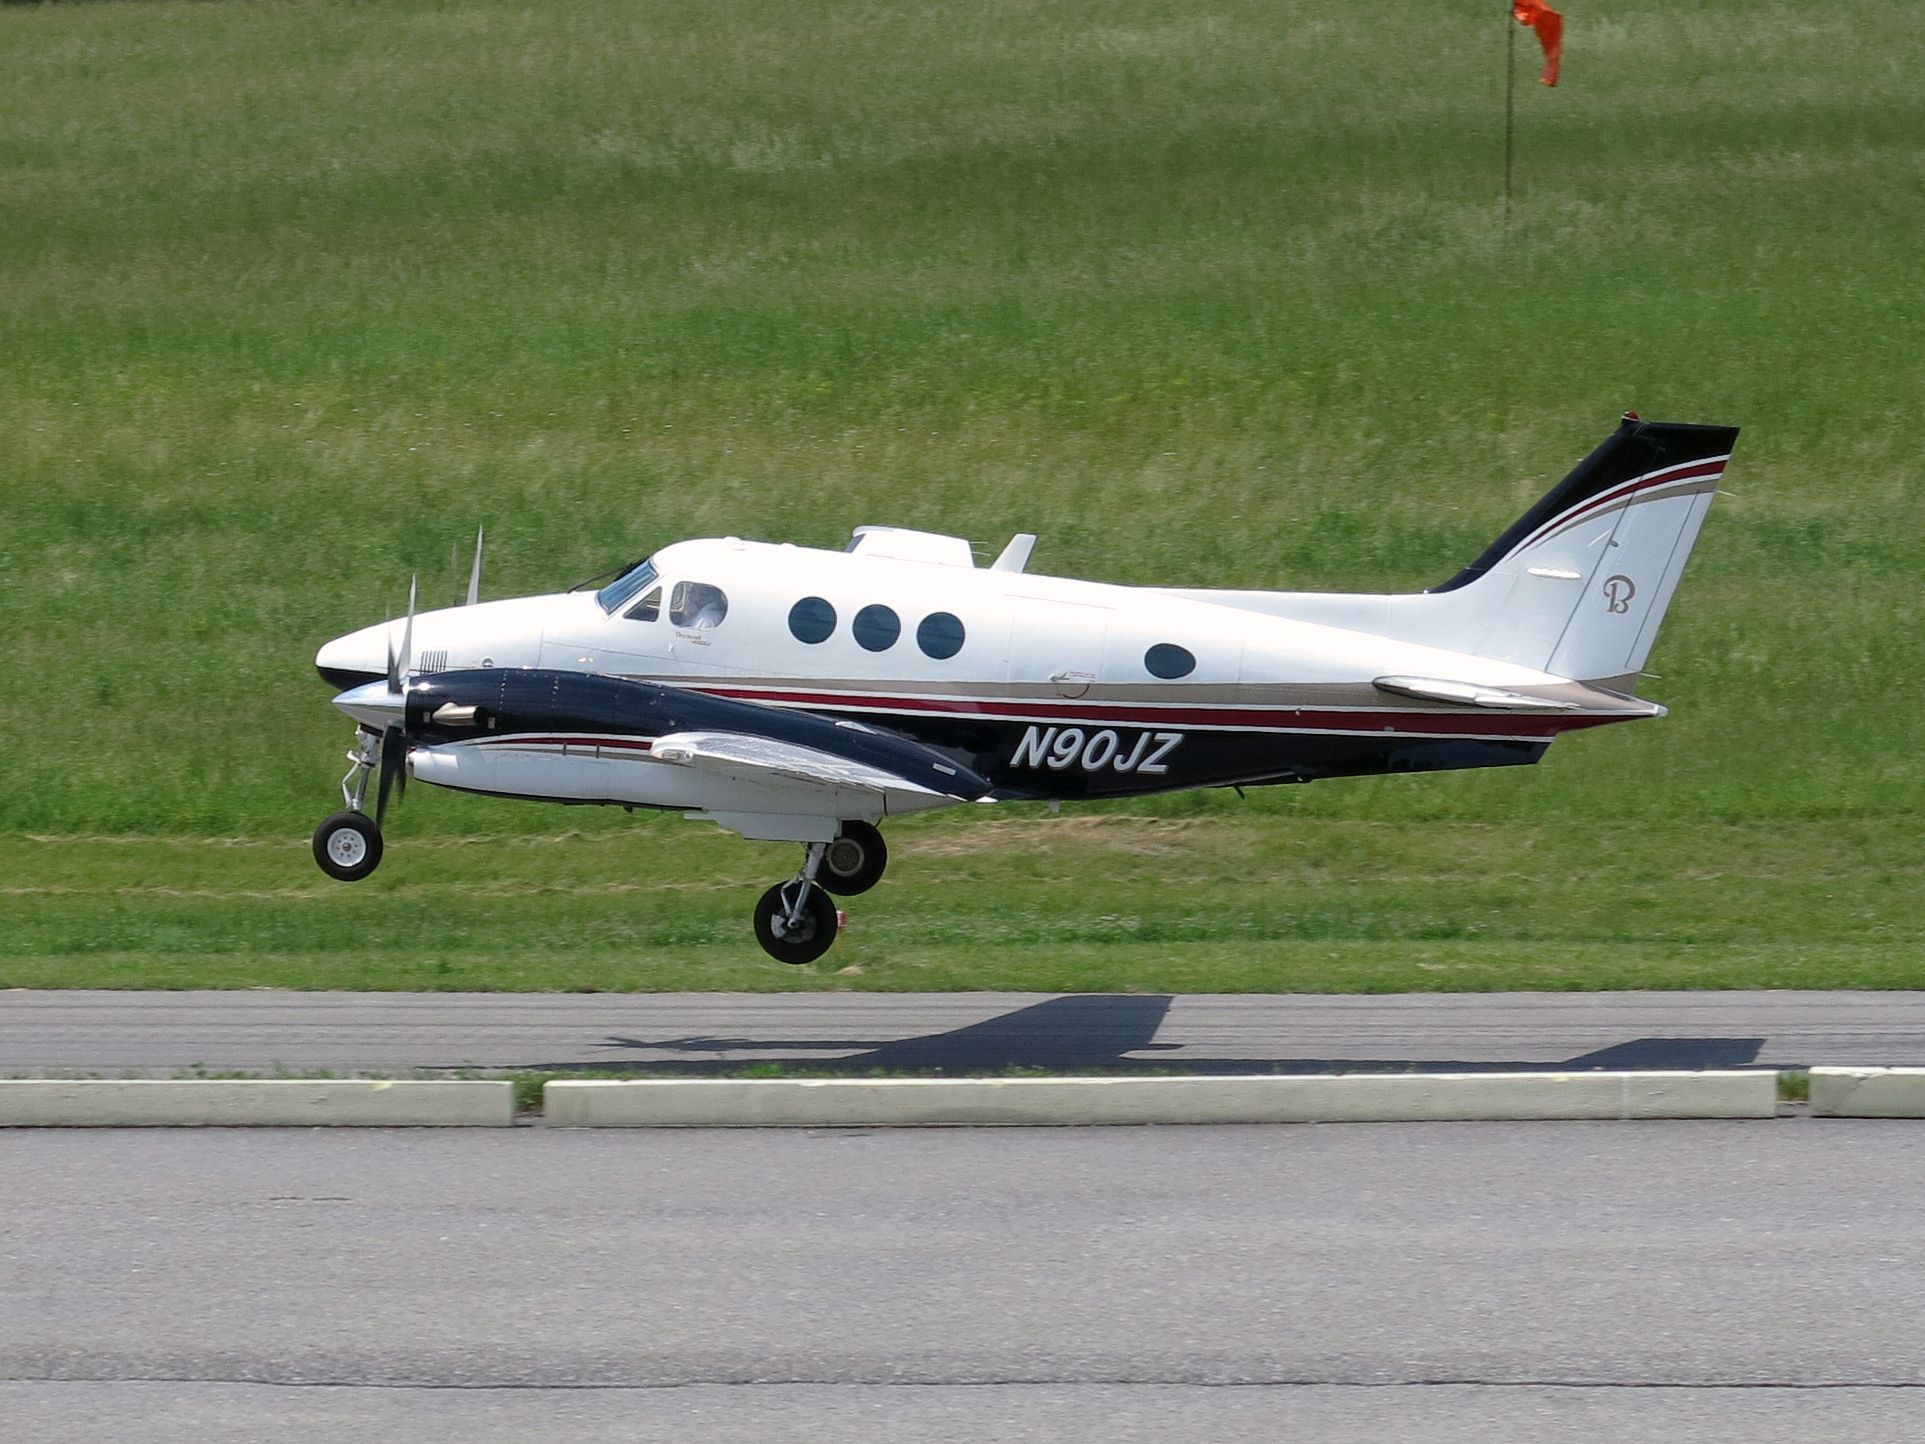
{"points": [[1618, 591]]}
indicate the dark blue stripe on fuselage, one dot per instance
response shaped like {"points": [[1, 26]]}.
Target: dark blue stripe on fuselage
{"points": [[1009, 757]]}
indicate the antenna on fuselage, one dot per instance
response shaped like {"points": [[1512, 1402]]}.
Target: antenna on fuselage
{"points": [[1015, 556]]}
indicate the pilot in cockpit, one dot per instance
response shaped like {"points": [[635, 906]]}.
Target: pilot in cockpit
{"points": [[699, 605]]}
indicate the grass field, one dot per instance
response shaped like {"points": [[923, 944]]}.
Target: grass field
{"points": [[1068, 903], [291, 297]]}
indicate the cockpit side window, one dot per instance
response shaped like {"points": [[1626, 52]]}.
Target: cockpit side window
{"points": [[628, 584], [648, 608], [697, 604]]}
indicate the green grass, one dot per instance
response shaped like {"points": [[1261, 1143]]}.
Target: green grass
{"points": [[1218, 293], [1026, 902]]}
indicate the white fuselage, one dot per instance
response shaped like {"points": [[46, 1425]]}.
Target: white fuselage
{"points": [[1022, 636]]}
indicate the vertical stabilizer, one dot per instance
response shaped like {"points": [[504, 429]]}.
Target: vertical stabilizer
{"points": [[1580, 583]]}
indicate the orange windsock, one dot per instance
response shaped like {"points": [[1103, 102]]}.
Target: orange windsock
{"points": [[1549, 26]]}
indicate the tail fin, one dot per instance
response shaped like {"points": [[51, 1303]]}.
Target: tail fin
{"points": [[1578, 585]]}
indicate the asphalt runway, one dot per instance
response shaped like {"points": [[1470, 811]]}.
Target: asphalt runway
{"points": [[1437, 1283], [163, 1032]]}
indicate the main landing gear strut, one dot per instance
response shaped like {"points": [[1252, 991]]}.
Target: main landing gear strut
{"points": [[796, 921], [347, 844]]}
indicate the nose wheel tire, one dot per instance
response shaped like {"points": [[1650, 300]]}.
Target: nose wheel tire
{"points": [[854, 862], [805, 939], [347, 846]]}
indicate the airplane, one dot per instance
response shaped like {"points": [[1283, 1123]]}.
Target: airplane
{"points": [[802, 695]]}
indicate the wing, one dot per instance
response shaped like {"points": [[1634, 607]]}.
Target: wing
{"points": [[804, 793], [748, 758]]}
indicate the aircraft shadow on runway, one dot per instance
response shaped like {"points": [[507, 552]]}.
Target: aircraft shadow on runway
{"points": [[1095, 1033]]}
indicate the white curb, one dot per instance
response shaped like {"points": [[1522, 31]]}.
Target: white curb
{"points": [[1351, 1098], [254, 1102], [1868, 1092]]}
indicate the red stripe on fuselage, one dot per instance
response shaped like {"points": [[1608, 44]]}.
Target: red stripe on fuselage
{"points": [[1413, 724]]}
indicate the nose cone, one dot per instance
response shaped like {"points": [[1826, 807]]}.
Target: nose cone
{"points": [[507, 633], [358, 657], [373, 705]]}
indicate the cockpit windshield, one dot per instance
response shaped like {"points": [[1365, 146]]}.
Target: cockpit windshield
{"points": [[612, 596]]}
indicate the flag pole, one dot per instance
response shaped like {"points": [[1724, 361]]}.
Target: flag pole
{"points": [[1510, 103]]}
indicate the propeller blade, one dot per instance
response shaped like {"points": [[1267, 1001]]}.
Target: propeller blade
{"points": [[394, 737], [474, 577], [394, 756], [407, 633]]}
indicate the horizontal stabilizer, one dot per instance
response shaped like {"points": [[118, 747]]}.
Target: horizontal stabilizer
{"points": [[1589, 701], [1471, 694]]}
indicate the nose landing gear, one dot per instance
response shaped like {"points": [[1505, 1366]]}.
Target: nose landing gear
{"points": [[347, 844]]}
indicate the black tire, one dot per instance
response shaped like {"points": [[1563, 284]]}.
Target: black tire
{"points": [[814, 934], [855, 861], [347, 846]]}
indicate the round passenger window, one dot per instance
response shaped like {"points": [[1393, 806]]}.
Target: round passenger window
{"points": [[940, 635], [876, 629], [1168, 661], [812, 620]]}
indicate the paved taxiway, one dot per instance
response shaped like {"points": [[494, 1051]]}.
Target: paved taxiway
{"points": [[863, 1032], [1437, 1282]]}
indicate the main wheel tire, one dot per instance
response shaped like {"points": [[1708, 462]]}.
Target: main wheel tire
{"points": [[854, 862], [813, 932], [347, 845]]}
